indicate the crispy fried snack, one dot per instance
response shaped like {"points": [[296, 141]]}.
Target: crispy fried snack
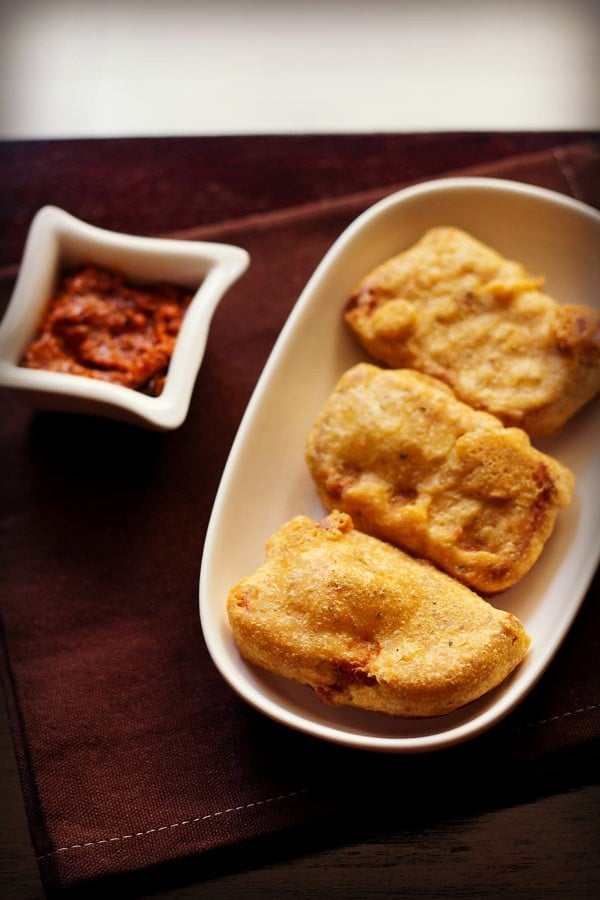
{"points": [[413, 465], [366, 625], [454, 308]]}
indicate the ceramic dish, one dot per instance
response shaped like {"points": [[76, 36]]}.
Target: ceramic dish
{"points": [[56, 241], [266, 482]]}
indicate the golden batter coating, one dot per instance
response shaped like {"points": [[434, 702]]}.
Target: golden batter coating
{"points": [[366, 625], [415, 466], [454, 308]]}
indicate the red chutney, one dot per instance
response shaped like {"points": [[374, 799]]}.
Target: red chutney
{"points": [[101, 326]]}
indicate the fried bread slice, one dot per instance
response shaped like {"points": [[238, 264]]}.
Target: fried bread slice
{"points": [[456, 309], [415, 466], [369, 626]]}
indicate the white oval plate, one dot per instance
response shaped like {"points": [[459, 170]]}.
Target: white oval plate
{"points": [[265, 481]]}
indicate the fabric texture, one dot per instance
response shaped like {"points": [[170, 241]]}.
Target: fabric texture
{"points": [[132, 750]]}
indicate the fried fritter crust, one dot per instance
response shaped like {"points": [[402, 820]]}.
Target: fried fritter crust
{"points": [[456, 309], [415, 466], [366, 625]]}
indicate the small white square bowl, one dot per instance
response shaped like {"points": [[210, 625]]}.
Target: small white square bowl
{"points": [[57, 241]]}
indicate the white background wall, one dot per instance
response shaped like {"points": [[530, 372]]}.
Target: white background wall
{"points": [[128, 67]]}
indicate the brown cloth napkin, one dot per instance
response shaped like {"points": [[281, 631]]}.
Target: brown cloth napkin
{"points": [[132, 750]]}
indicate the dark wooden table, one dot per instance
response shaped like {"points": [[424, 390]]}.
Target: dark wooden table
{"points": [[542, 842]]}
